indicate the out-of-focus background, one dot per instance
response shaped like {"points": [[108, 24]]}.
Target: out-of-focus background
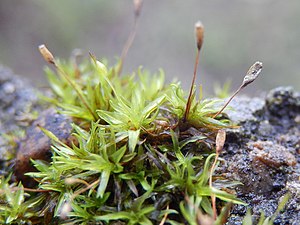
{"points": [[237, 33]]}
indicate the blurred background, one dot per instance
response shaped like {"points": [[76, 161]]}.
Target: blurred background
{"points": [[237, 33]]}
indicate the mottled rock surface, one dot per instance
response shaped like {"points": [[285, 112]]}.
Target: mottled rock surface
{"points": [[18, 101], [19, 109], [36, 145], [264, 154]]}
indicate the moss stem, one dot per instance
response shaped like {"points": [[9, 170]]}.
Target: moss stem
{"points": [[189, 102], [229, 100]]}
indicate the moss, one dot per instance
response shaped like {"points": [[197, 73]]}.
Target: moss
{"points": [[135, 161], [143, 154]]}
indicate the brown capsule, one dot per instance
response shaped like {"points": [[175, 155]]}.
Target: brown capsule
{"points": [[250, 76], [47, 55], [137, 7], [252, 73], [70, 180], [220, 140], [65, 210], [199, 31]]}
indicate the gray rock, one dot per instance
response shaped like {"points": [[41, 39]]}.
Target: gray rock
{"points": [[263, 154], [245, 109], [18, 99]]}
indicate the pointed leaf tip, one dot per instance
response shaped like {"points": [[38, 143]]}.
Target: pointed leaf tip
{"points": [[101, 68]]}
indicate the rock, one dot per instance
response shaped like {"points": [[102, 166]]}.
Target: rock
{"points": [[283, 102], [18, 101], [36, 145], [271, 154], [245, 109], [17, 98], [18, 104], [263, 154]]}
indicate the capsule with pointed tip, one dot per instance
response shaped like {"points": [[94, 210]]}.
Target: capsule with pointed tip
{"points": [[47, 55], [199, 31], [220, 140], [137, 7], [252, 73]]}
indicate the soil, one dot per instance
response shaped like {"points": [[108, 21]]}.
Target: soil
{"points": [[263, 153]]}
